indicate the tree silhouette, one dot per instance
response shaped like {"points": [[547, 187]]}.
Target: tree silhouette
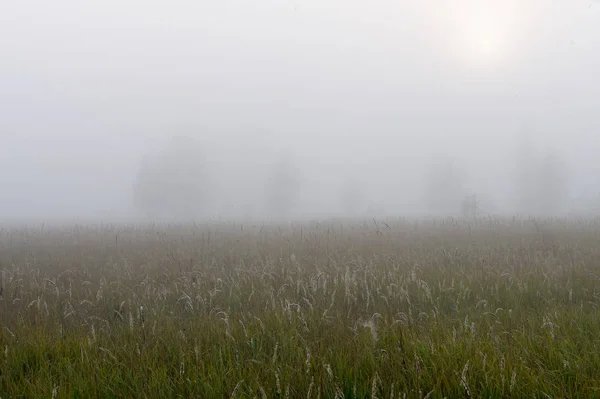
{"points": [[352, 197], [541, 184], [173, 181], [445, 187], [526, 177], [283, 188], [552, 185]]}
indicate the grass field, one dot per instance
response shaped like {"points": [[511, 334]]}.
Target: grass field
{"points": [[487, 308]]}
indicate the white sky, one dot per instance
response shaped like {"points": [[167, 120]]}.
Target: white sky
{"points": [[86, 87]]}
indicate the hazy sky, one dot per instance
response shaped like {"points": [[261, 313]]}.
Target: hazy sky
{"points": [[87, 87]]}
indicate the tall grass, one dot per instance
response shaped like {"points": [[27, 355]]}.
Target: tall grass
{"points": [[386, 309]]}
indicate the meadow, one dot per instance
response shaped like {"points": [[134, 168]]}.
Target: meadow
{"points": [[396, 308]]}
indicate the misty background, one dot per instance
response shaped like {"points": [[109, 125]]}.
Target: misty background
{"points": [[297, 108]]}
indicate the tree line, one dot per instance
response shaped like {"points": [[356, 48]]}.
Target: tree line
{"points": [[177, 182]]}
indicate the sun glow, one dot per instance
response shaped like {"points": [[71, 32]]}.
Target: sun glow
{"points": [[486, 33], [485, 37]]}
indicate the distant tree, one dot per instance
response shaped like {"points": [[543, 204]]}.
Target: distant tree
{"points": [[526, 177], [352, 197], [445, 187], [552, 185], [470, 206], [173, 181], [541, 184], [283, 188]]}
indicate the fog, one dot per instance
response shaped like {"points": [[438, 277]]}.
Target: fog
{"points": [[387, 107]]}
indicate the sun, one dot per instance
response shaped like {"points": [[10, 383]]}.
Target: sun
{"points": [[485, 33], [483, 38]]}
